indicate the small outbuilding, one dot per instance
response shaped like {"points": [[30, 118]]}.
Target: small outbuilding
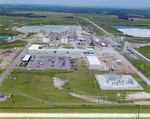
{"points": [[94, 63]]}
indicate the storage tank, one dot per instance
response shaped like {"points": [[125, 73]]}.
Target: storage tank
{"points": [[62, 40]]}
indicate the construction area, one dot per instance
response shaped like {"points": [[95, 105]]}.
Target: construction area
{"points": [[8, 55]]}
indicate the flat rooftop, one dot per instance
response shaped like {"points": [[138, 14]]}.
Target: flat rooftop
{"points": [[34, 47], [93, 60], [26, 58]]}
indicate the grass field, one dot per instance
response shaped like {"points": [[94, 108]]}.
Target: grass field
{"points": [[141, 66], [138, 40], [39, 83], [13, 45], [40, 43], [144, 51], [70, 118], [3, 40], [1, 60], [66, 46], [103, 109], [56, 18], [30, 34]]}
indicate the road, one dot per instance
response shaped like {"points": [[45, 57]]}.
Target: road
{"points": [[12, 66], [83, 115], [114, 41]]}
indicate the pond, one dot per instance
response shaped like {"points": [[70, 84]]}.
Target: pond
{"points": [[4, 37], [47, 28], [134, 31]]}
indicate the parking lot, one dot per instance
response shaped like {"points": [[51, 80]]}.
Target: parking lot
{"points": [[50, 63]]}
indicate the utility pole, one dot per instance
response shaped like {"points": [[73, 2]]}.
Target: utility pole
{"points": [[124, 95], [98, 98], [13, 96], [139, 112]]}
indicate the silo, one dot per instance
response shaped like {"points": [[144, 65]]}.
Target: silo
{"points": [[62, 40]]}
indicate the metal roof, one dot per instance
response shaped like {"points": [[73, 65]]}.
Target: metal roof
{"points": [[34, 47], [26, 58], [93, 60]]}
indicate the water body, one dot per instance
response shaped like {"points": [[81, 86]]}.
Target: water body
{"points": [[134, 31], [4, 37], [47, 28]]}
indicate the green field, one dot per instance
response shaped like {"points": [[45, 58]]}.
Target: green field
{"points": [[66, 118], [144, 51], [138, 40], [36, 43], [141, 66], [30, 34], [3, 40], [70, 118], [12, 45], [39, 84], [56, 18]]}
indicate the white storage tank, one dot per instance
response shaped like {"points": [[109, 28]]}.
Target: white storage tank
{"points": [[62, 40]]}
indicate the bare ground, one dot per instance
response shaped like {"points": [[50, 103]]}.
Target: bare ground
{"points": [[8, 55], [108, 56]]}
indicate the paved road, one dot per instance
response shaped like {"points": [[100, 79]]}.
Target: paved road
{"points": [[112, 38], [89, 115], [12, 66]]}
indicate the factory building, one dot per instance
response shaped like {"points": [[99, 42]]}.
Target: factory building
{"points": [[94, 63], [39, 50]]}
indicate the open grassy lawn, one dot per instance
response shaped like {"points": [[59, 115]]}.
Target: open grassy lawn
{"points": [[30, 34], [103, 109], [36, 43], [12, 45], [144, 51], [138, 40], [39, 84], [141, 66], [68, 118]]}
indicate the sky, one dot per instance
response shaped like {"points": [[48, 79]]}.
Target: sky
{"points": [[105, 3]]}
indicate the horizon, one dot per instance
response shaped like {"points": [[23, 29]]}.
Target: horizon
{"points": [[85, 3]]}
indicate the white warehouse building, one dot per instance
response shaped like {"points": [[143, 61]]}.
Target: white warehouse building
{"points": [[94, 63], [39, 50], [26, 58]]}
